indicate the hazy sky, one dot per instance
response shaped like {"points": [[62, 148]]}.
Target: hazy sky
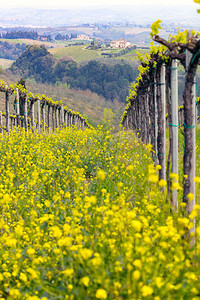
{"points": [[86, 3]]}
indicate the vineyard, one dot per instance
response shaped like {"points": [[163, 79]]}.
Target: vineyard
{"points": [[77, 53], [100, 213]]}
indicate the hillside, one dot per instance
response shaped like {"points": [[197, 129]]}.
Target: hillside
{"points": [[110, 81], [96, 108], [77, 53]]}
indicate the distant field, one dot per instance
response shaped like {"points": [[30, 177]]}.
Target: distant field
{"points": [[132, 55], [32, 42], [6, 63], [77, 53]]}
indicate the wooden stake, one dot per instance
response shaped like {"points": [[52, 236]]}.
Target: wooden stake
{"points": [[48, 116], [192, 128], [32, 112], [62, 117], [53, 117], [1, 123], [17, 107], [174, 114], [25, 114], [162, 122], [43, 115], [39, 129], [56, 112], [7, 111], [156, 119]]}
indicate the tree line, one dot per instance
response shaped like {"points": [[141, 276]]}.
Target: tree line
{"points": [[110, 81], [11, 51], [20, 35]]}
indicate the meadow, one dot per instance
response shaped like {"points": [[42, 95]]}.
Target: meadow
{"points": [[84, 216]]}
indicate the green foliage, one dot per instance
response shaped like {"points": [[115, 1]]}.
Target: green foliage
{"points": [[11, 51], [110, 81], [155, 28]]}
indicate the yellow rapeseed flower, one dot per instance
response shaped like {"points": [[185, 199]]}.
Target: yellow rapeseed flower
{"points": [[146, 290], [101, 175], [101, 294]]}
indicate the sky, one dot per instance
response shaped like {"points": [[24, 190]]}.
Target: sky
{"points": [[86, 3]]}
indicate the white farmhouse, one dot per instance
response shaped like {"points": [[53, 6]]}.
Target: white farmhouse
{"points": [[119, 44]]}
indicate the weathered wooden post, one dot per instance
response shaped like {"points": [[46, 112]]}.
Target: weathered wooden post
{"points": [[56, 112], [82, 124], [190, 152], [32, 113], [174, 114], [17, 107], [7, 110], [62, 117], [65, 118], [156, 118], [146, 103], [43, 114], [39, 121], [53, 117], [25, 114], [59, 116], [1, 123], [161, 98], [48, 116]]}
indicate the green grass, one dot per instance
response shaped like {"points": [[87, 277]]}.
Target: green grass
{"points": [[77, 53], [31, 42], [132, 55]]}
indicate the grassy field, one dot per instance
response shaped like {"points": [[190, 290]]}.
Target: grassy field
{"points": [[80, 53], [132, 55], [32, 42], [77, 53], [5, 63], [83, 216]]}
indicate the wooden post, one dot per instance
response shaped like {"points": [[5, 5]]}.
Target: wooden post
{"points": [[53, 117], [39, 129], [17, 107], [59, 116], [48, 116], [70, 119], [1, 123], [161, 100], [56, 112], [7, 110], [192, 129], [156, 119], [43, 115], [25, 114], [147, 120], [32, 112], [65, 118], [62, 117], [174, 114]]}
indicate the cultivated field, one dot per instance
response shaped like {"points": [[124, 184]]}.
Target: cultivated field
{"points": [[77, 53]]}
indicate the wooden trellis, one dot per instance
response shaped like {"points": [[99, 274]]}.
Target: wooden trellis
{"points": [[36, 112], [157, 89]]}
